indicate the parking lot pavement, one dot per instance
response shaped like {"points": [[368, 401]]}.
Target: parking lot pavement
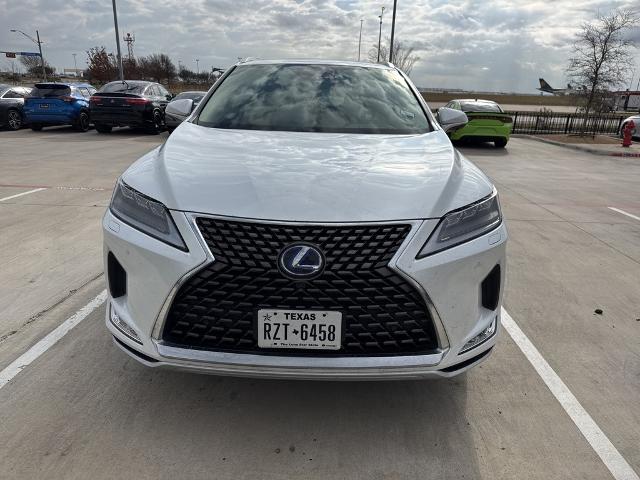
{"points": [[84, 409], [54, 188]]}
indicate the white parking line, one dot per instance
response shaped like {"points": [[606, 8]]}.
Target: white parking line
{"points": [[623, 212], [22, 194], [28, 357], [611, 457]]}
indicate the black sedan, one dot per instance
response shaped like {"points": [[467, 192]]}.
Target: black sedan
{"points": [[175, 116], [11, 106], [129, 103]]}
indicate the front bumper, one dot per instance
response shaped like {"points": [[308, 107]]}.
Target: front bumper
{"points": [[450, 281]]}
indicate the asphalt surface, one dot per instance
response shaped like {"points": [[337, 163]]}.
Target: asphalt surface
{"points": [[85, 410]]}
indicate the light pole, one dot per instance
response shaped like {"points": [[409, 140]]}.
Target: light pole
{"points": [[115, 22], [75, 63], [393, 31], [39, 43], [198, 66], [380, 34], [360, 39]]}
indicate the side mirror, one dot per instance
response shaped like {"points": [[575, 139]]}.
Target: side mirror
{"points": [[448, 118], [182, 107], [169, 97]]}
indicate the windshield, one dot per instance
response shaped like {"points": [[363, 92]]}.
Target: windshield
{"points": [[315, 98], [480, 107], [50, 91], [123, 87]]}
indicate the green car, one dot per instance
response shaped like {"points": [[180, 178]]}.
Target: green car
{"points": [[487, 122]]}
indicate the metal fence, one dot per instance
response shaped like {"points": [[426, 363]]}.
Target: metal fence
{"points": [[546, 122]]}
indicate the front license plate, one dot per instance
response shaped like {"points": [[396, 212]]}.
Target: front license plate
{"points": [[308, 329], [44, 105]]}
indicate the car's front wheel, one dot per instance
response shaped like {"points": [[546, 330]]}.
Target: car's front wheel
{"points": [[14, 120], [500, 142], [82, 124], [100, 128]]}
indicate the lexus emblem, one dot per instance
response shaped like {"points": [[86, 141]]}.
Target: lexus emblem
{"points": [[301, 261]]}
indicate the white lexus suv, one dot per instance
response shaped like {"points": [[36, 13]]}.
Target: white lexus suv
{"points": [[310, 219]]}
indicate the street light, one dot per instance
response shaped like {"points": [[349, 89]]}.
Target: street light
{"points": [[360, 39], [115, 22], [198, 66], [75, 63], [393, 31], [380, 34], [37, 42]]}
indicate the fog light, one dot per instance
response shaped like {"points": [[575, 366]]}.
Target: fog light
{"points": [[482, 337], [123, 326]]}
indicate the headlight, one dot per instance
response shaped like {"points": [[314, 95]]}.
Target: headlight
{"points": [[145, 214], [463, 225]]}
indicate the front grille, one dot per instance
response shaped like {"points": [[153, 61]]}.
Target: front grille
{"points": [[383, 314]]}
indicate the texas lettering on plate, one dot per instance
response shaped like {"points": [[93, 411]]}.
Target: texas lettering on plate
{"points": [[309, 329]]}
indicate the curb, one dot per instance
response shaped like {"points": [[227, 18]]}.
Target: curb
{"points": [[580, 148]]}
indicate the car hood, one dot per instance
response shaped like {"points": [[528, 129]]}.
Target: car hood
{"points": [[310, 177]]}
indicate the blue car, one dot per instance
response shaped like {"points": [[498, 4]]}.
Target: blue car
{"points": [[59, 104]]}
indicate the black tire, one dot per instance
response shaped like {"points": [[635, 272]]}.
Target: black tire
{"points": [[14, 119], [100, 128], [500, 142], [158, 123], [82, 124], [36, 127]]}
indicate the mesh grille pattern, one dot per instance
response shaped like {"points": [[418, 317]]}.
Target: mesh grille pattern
{"points": [[382, 313]]}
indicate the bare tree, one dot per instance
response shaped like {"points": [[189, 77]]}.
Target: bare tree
{"points": [[102, 66], [33, 65], [601, 55], [403, 54], [157, 66]]}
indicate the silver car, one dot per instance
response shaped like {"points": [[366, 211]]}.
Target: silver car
{"points": [[310, 219], [635, 133]]}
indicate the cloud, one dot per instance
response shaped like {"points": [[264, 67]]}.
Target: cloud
{"points": [[482, 44]]}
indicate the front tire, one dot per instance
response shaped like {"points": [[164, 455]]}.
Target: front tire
{"points": [[500, 142], [103, 128], [36, 127], [14, 120], [82, 124]]}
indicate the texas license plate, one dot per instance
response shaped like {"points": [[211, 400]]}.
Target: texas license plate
{"points": [[307, 329], [44, 105]]}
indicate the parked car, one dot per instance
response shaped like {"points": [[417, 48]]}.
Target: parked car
{"points": [[130, 103], [176, 113], [487, 122], [12, 105], [311, 219], [635, 133], [59, 104]]}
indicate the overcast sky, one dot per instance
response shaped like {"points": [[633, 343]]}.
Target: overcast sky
{"points": [[497, 45]]}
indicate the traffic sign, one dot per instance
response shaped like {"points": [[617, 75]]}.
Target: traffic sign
{"points": [[29, 54], [10, 54]]}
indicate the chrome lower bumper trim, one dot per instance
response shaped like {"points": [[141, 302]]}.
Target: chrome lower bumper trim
{"points": [[303, 368]]}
